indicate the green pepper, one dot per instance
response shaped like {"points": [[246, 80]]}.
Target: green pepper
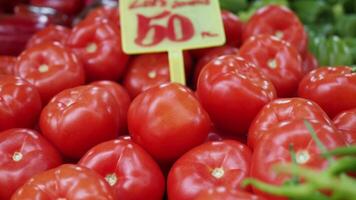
{"points": [[309, 10], [351, 43], [346, 25], [245, 15], [233, 5]]}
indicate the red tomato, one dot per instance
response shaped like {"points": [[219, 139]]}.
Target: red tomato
{"points": [[274, 148], [233, 27], [64, 6], [98, 45], [51, 68], [333, 88], [127, 168], [208, 166], [7, 64], [233, 91], [20, 103], [23, 154], [104, 12], [278, 60], [281, 111], [309, 63], [280, 22], [167, 121], [79, 118], [149, 70], [345, 122], [223, 193], [211, 55], [121, 97], [66, 182], [53, 33]]}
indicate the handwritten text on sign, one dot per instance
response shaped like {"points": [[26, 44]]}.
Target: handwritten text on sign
{"points": [[161, 25]]}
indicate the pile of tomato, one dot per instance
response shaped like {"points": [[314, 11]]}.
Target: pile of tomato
{"points": [[80, 119]]}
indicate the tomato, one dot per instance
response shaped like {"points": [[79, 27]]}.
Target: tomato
{"points": [[20, 103], [223, 193], [105, 12], [233, 27], [233, 91], [345, 122], [79, 118], [150, 70], [167, 121], [53, 33], [98, 44], [211, 55], [51, 68], [127, 168], [309, 63], [333, 88], [280, 22], [280, 111], [23, 154], [208, 166], [65, 182], [121, 97], [64, 6], [278, 60], [274, 148], [7, 64]]}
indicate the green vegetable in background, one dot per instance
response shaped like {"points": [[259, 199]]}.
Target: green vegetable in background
{"points": [[233, 5], [245, 15]]}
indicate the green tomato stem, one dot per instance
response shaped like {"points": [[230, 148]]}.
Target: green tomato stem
{"points": [[342, 151], [345, 164]]}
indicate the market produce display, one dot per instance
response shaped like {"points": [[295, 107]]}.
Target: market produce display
{"points": [[268, 115]]}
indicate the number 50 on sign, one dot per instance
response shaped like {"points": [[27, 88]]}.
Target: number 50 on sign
{"points": [[170, 25]]}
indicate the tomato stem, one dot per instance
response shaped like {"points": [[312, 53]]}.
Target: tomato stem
{"points": [[342, 151], [17, 156], [111, 179], [91, 47], [272, 63], [43, 68], [152, 74], [218, 173], [345, 164]]}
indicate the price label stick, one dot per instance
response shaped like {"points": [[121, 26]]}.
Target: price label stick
{"points": [[149, 26]]}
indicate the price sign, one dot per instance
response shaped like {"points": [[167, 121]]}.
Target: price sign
{"points": [[170, 25]]}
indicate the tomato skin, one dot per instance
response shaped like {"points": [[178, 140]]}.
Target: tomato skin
{"points": [[150, 70], [281, 111], [79, 118], [64, 6], [37, 155], [51, 68], [333, 88], [52, 33], [98, 45], [138, 175], [279, 61], [345, 122], [233, 27], [67, 182], [20, 103], [105, 12], [223, 193], [309, 63], [193, 173], [122, 98], [167, 121], [274, 20], [274, 148], [222, 87], [7, 64]]}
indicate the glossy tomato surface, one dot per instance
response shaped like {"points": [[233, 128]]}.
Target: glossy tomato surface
{"points": [[70, 182], [150, 70], [79, 118], [275, 148], [98, 45], [209, 166], [122, 98], [278, 60], [233, 91], [105, 12], [223, 193], [53, 33], [280, 22], [64, 6], [127, 168], [23, 154], [309, 63], [233, 27], [51, 68], [7, 64], [333, 88], [345, 122], [283, 110], [20, 103], [167, 121]]}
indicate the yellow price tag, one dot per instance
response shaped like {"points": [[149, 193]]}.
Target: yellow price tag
{"points": [[170, 25]]}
